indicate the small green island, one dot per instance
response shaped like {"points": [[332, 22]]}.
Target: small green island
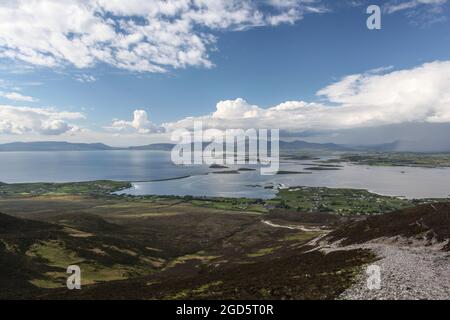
{"points": [[404, 159]]}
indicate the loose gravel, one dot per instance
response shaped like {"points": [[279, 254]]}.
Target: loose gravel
{"points": [[407, 273]]}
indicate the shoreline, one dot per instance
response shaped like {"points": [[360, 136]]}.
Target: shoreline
{"points": [[129, 184], [339, 201]]}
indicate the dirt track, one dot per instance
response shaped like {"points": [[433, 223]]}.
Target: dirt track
{"points": [[407, 272]]}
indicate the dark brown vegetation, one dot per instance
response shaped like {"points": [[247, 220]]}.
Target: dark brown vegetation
{"points": [[429, 222], [174, 248], [165, 249]]}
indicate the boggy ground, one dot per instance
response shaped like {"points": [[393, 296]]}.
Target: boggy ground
{"points": [[165, 248], [182, 248]]}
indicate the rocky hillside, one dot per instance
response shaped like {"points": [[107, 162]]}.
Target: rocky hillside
{"points": [[429, 223]]}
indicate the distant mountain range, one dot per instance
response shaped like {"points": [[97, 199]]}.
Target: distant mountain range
{"points": [[284, 146], [154, 146], [67, 146], [53, 146], [303, 145]]}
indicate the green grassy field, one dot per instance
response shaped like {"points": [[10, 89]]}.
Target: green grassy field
{"points": [[340, 201], [309, 199], [89, 187], [172, 246], [397, 159], [157, 247]]}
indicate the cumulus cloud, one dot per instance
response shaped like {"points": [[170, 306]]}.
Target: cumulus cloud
{"points": [[375, 98], [235, 109], [15, 96], [139, 124], [144, 36], [378, 97], [28, 120]]}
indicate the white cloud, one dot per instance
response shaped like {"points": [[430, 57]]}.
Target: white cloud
{"points": [[139, 124], [28, 120], [376, 98], [56, 127], [235, 109], [420, 94], [15, 96], [145, 36], [395, 6], [85, 78]]}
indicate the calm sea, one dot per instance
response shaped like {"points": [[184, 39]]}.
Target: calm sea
{"points": [[156, 165]]}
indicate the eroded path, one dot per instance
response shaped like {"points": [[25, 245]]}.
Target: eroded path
{"points": [[407, 272], [291, 227]]}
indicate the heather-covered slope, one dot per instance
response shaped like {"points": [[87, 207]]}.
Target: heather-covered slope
{"points": [[429, 223]]}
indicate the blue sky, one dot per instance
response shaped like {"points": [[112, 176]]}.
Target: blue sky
{"points": [[263, 63]]}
